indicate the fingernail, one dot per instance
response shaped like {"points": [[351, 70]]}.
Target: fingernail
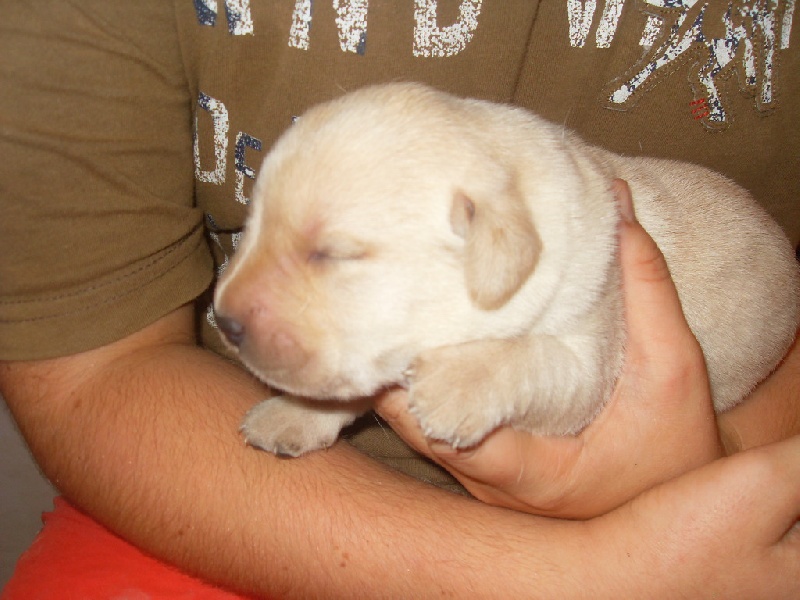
{"points": [[624, 200]]}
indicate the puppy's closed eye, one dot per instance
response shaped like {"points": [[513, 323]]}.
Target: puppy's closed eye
{"points": [[337, 248]]}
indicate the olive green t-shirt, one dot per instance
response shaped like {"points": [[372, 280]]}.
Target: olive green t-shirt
{"points": [[131, 132]]}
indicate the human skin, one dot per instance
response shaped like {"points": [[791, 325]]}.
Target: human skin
{"points": [[658, 424], [143, 435]]}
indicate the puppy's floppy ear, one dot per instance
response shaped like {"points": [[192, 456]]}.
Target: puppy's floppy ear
{"points": [[501, 244]]}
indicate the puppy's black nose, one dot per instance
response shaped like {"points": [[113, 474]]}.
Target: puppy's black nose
{"points": [[232, 330]]}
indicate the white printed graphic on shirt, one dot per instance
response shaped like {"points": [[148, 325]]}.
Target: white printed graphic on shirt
{"points": [[243, 170], [219, 119], [581, 17], [352, 24], [219, 141], [240, 21], [652, 28], [351, 21], [300, 32], [675, 35], [430, 38]]}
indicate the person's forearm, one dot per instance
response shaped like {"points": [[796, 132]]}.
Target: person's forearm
{"points": [[148, 445], [770, 413], [145, 439]]}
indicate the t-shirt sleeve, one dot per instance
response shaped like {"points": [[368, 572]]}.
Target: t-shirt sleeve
{"points": [[99, 234]]}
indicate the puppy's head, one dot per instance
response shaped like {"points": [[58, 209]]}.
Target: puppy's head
{"points": [[379, 228]]}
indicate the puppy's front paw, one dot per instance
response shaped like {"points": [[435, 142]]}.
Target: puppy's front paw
{"points": [[288, 426], [451, 396]]}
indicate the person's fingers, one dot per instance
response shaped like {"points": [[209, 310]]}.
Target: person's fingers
{"points": [[519, 470], [494, 461], [653, 313], [507, 466], [737, 518], [776, 467], [501, 459], [661, 350], [392, 406], [759, 491]]}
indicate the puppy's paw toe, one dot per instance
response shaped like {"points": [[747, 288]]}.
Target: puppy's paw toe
{"points": [[460, 431]]}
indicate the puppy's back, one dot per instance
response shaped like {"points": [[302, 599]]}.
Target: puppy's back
{"points": [[735, 270], [733, 266]]}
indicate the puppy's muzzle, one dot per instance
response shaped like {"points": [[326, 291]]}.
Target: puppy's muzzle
{"points": [[262, 343]]}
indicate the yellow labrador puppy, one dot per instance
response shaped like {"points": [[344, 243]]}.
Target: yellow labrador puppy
{"points": [[467, 250]]}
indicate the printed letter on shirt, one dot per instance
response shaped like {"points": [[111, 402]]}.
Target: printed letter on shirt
{"points": [[432, 40], [244, 141], [240, 21], [351, 21], [219, 139]]}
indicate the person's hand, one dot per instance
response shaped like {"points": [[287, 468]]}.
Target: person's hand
{"points": [[728, 530], [658, 424]]}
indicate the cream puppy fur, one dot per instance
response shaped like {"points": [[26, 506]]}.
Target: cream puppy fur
{"points": [[467, 250]]}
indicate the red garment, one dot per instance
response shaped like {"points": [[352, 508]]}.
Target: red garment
{"points": [[73, 557]]}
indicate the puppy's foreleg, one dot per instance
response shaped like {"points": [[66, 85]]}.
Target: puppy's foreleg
{"points": [[544, 384]]}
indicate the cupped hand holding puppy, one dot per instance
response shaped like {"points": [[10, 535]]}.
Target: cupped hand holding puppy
{"points": [[659, 423]]}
